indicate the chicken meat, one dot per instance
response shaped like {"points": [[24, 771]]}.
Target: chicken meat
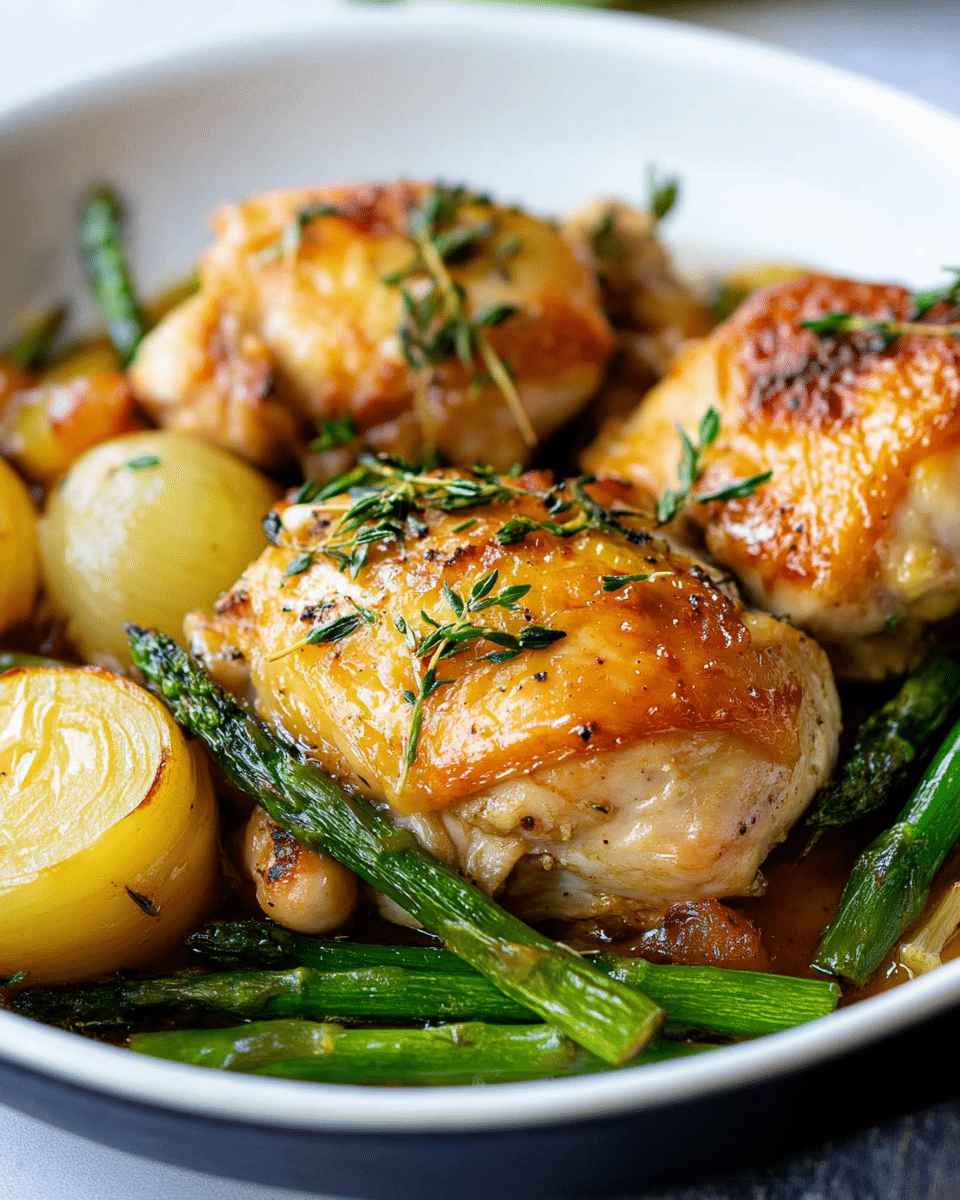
{"points": [[418, 315], [856, 536], [552, 694]]}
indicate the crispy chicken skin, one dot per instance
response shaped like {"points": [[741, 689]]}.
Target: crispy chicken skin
{"points": [[288, 330], [857, 535], [653, 754]]}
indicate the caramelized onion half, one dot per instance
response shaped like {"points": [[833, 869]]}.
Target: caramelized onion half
{"points": [[108, 826]]}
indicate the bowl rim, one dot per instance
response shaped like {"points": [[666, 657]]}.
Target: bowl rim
{"points": [[350, 1108]]}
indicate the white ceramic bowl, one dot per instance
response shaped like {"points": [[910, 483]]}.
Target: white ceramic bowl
{"points": [[779, 158]]}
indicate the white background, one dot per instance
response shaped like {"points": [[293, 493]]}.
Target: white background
{"points": [[915, 46]]}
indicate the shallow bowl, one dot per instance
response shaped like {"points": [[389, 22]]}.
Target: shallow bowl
{"points": [[780, 158]]}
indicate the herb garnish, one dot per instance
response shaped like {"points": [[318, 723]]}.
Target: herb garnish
{"points": [[439, 641], [613, 583], [303, 562], [437, 323], [662, 194], [289, 242], [142, 462], [388, 497], [590, 515], [333, 631], [333, 432], [691, 469], [836, 324], [605, 242]]}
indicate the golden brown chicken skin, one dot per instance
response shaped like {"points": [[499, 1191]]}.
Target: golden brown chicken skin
{"points": [[857, 534], [654, 752], [301, 319]]}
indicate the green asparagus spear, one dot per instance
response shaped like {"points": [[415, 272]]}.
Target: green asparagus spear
{"points": [[891, 879], [446, 1054], [11, 660], [734, 1003], [896, 738], [32, 348], [605, 1017], [104, 258], [383, 993], [264, 944]]}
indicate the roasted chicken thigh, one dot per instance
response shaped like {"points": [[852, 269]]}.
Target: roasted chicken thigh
{"points": [[423, 314], [856, 536], [551, 693]]}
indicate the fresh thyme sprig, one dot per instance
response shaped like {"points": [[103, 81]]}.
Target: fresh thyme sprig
{"points": [[437, 323], [690, 471], [589, 515], [950, 294], [605, 239], [441, 641], [388, 499], [836, 324], [332, 631], [289, 242]]}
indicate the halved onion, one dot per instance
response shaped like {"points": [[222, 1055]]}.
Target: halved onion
{"points": [[19, 566], [146, 528], [108, 826]]}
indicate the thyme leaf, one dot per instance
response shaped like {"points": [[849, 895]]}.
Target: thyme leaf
{"points": [[439, 641], [738, 490], [333, 631], [290, 241], [613, 583], [662, 194], [605, 242], [303, 562], [690, 470], [333, 432]]}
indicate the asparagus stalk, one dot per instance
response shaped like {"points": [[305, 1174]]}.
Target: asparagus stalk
{"points": [[264, 944], [733, 1003], [381, 993], [11, 660], [446, 1054], [890, 881], [607, 1018], [32, 348], [890, 743], [105, 261]]}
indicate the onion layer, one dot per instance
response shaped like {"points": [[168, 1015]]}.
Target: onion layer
{"points": [[108, 826]]}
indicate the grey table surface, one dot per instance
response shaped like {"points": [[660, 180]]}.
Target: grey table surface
{"points": [[914, 46]]}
